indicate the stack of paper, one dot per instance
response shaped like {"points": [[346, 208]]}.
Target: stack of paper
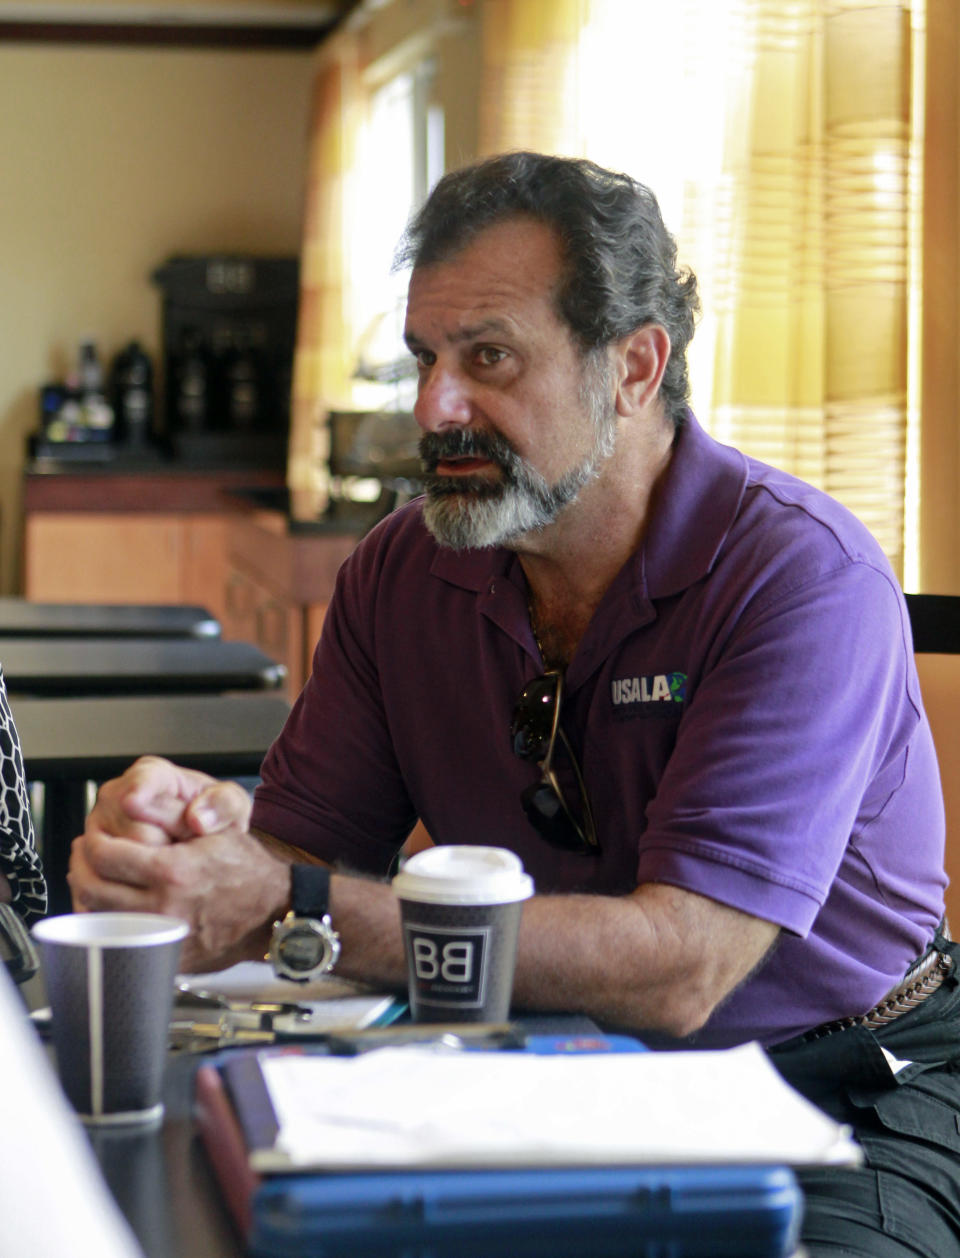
{"points": [[416, 1106]]}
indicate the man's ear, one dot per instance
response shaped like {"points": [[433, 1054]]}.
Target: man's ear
{"points": [[640, 359]]}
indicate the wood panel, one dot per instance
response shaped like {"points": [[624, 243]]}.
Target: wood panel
{"points": [[87, 558], [204, 562]]}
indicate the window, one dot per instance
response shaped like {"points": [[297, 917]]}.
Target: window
{"points": [[399, 158]]}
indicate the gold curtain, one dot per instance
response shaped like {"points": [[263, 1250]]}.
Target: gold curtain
{"points": [[808, 235], [530, 90], [798, 212], [324, 349]]}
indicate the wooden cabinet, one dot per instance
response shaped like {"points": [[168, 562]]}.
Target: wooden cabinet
{"points": [[254, 612], [125, 557], [278, 586], [114, 538], [181, 538]]}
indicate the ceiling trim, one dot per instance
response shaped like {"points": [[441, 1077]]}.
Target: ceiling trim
{"points": [[292, 38], [203, 26]]}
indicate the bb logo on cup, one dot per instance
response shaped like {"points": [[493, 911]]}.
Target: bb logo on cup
{"points": [[448, 966], [460, 912]]}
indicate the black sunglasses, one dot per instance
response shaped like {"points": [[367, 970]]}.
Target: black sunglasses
{"points": [[534, 731]]}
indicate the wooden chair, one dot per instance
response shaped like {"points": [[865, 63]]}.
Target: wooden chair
{"points": [[935, 620]]}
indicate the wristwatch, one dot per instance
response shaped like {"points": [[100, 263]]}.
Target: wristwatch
{"points": [[304, 944]]}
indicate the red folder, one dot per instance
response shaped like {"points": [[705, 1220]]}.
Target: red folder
{"points": [[226, 1147]]}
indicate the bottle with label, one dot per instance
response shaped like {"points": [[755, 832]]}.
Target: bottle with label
{"points": [[70, 426], [88, 367], [96, 413], [132, 391]]}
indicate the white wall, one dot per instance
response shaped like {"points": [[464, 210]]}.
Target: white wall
{"points": [[111, 160]]}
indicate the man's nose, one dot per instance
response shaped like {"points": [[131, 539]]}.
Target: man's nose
{"points": [[443, 399]]}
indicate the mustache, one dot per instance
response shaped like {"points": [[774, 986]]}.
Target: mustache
{"points": [[434, 447]]}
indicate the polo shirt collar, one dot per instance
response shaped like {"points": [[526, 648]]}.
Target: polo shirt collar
{"points": [[696, 506], [497, 578]]}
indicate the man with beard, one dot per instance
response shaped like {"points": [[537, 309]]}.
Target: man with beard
{"points": [[731, 812]]}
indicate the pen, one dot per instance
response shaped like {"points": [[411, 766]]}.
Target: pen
{"points": [[485, 1035]]}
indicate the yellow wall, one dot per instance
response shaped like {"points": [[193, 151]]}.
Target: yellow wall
{"points": [[111, 160]]}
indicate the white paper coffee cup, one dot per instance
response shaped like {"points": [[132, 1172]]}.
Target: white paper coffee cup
{"points": [[460, 909]]}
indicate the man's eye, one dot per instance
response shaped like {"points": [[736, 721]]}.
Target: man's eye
{"points": [[489, 355], [425, 357]]}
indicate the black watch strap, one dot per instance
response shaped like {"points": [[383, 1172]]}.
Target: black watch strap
{"points": [[310, 890]]}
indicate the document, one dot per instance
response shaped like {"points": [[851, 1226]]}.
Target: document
{"points": [[330, 1003], [442, 1107]]}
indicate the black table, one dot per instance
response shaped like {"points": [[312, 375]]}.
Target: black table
{"points": [[165, 1187], [70, 742], [20, 617], [163, 1182], [142, 666]]}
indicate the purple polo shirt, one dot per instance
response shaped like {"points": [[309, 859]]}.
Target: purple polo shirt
{"points": [[744, 706]]}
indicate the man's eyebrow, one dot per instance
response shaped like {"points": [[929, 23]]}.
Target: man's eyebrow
{"points": [[469, 333]]}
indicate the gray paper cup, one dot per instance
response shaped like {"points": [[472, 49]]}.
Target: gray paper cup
{"points": [[460, 913], [110, 979]]}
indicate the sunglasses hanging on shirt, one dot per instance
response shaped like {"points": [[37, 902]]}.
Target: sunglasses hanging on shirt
{"points": [[535, 731]]}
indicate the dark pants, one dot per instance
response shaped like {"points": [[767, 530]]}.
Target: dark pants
{"points": [[904, 1200]]}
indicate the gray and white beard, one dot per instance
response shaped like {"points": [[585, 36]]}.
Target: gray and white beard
{"points": [[472, 512]]}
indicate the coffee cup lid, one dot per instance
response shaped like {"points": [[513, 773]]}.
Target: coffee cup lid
{"points": [[462, 874], [110, 930]]}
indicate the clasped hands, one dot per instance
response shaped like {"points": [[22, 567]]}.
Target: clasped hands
{"points": [[163, 839]]}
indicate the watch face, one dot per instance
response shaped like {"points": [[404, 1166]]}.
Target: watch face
{"points": [[303, 949]]}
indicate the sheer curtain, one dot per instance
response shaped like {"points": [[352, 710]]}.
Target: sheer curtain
{"points": [[783, 139], [806, 238], [530, 86], [324, 353]]}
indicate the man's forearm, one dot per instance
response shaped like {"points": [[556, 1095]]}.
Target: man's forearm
{"points": [[660, 958], [367, 917]]}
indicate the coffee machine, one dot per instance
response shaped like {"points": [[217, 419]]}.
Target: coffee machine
{"points": [[228, 337]]}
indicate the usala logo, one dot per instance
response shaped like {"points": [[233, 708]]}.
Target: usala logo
{"points": [[653, 694]]}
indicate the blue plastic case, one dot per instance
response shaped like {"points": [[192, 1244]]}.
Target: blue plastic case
{"points": [[592, 1212]]}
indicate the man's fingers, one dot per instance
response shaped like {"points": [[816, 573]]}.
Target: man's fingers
{"points": [[220, 806], [110, 873], [147, 802]]}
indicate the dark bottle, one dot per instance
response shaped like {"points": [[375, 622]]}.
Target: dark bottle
{"points": [[191, 398], [132, 388]]}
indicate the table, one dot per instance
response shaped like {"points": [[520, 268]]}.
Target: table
{"points": [[142, 666], [163, 1181], [165, 1187], [164, 1184], [68, 742], [20, 617]]}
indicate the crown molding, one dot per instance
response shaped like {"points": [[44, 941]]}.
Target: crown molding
{"points": [[278, 26]]}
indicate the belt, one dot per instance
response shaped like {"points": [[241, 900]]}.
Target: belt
{"points": [[920, 981]]}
